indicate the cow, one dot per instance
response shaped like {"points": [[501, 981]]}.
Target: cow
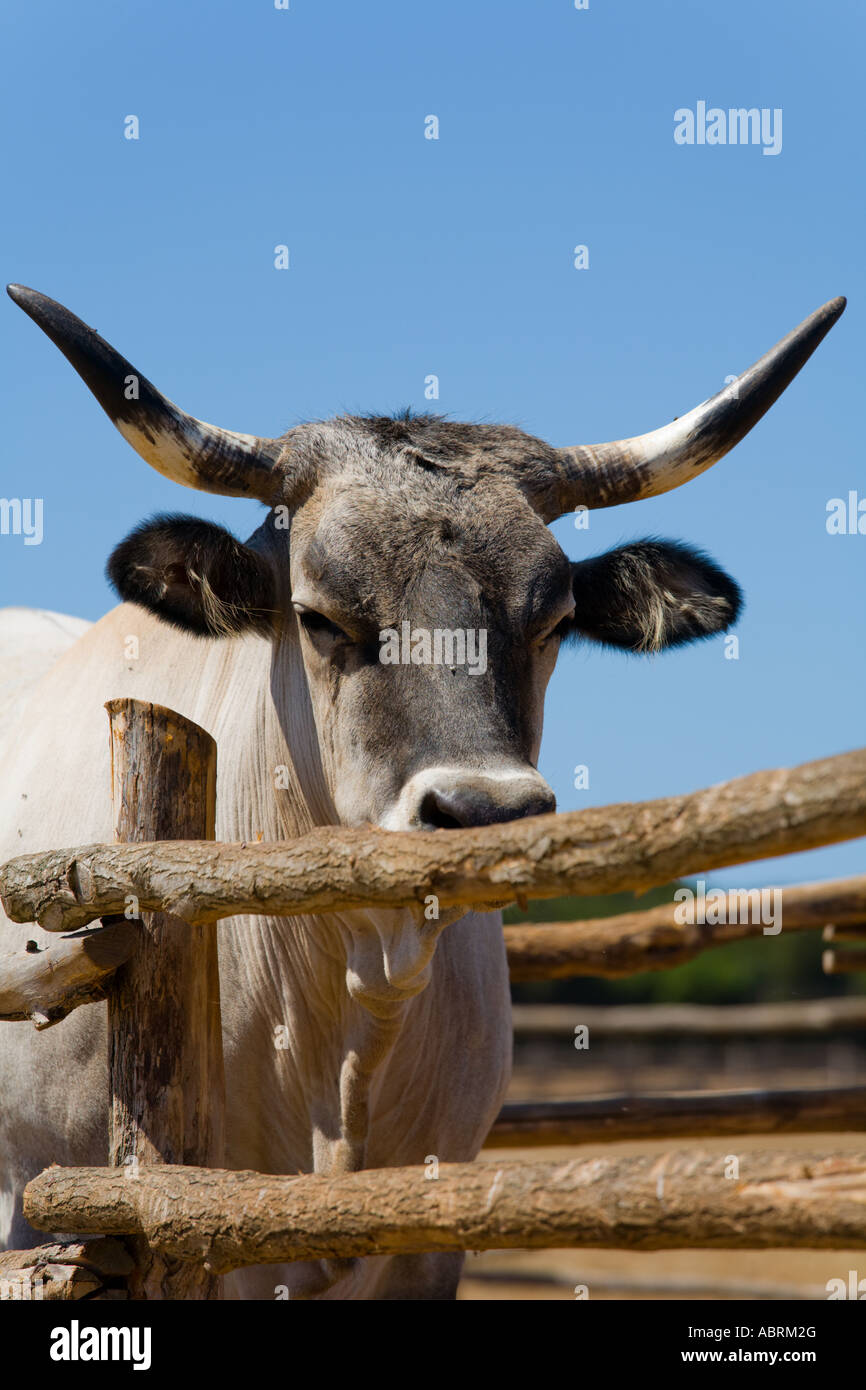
{"points": [[394, 1030]]}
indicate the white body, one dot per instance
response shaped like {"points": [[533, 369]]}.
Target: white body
{"points": [[433, 1027]]}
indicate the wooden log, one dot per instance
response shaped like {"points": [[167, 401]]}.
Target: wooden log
{"points": [[842, 961], [697, 1114], [632, 942], [815, 1017], [657, 1202], [845, 931], [44, 981], [46, 986], [164, 1032], [66, 1270], [601, 850], [602, 1284]]}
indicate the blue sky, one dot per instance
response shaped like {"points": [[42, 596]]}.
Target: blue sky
{"points": [[454, 257]]}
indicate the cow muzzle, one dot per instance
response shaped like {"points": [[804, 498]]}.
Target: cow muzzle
{"points": [[449, 798]]}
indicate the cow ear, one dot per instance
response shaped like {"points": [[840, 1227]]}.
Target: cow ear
{"points": [[194, 575], [651, 595]]}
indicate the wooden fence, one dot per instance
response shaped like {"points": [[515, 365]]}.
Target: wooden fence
{"points": [[184, 1219]]}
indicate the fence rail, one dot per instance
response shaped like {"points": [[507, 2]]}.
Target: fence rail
{"points": [[604, 849], [663, 1202], [45, 983], [99, 1267], [799, 1017], [680, 1115], [654, 939]]}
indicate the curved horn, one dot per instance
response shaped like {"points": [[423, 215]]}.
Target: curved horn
{"points": [[176, 444], [602, 475]]}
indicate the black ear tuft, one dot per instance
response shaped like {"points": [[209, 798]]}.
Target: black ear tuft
{"points": [[651, 595], [194, 575]]}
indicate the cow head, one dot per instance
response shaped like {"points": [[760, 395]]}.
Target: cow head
{"points": [[409, 561]]}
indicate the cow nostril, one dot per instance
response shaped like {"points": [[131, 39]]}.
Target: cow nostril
{"points": [[461, 807], [434, 816]]}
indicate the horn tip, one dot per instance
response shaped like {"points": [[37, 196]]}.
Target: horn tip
{"points": [[29, 300], [835, 308]]}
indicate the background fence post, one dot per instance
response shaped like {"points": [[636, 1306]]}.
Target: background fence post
{"points": [[167, 1090]]}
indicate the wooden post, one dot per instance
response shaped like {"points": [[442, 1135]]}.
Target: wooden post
{"points": [[164, 1034]]}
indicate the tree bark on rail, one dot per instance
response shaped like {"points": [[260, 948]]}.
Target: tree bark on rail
{"points": [[45, 980], [670, 1201], [164, 1032], [693, 1115], [67, 1270], [601, 850], [632, 942]]}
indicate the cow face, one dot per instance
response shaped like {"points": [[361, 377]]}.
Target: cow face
{"points": [[427, 605], [429, 601], [408, 562]]}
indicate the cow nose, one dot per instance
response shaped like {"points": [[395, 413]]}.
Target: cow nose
{"points": [[457, 807]]}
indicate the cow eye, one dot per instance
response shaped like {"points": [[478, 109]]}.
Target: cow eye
{"points": [[561, 630], [318, 624]]}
